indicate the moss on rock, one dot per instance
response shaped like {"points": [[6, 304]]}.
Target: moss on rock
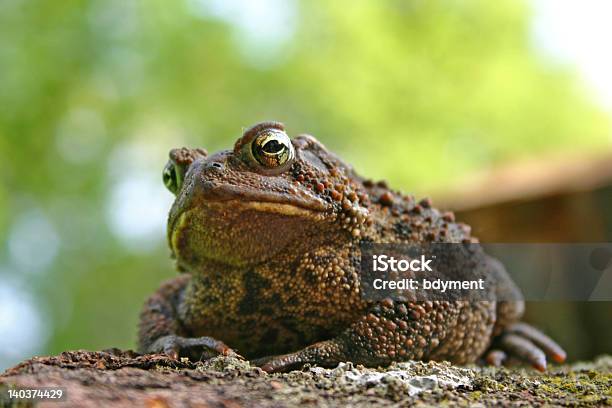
{"points": [[116, 378]]}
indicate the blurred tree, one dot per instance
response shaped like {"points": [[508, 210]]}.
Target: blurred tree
{"points": [[93, 93]]}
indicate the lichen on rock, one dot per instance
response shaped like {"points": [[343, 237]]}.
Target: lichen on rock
{"points": [[125, 379]]}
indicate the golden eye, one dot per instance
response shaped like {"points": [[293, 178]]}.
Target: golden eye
{"points": [[272, 148]]}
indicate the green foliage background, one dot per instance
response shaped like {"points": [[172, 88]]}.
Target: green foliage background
{"points": [[92, 92]]}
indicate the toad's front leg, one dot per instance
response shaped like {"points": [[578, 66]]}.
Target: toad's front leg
{"points": [[162, 332]]}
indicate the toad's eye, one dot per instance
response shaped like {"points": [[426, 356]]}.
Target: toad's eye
{"points": [[272, 149], [172, 178]]}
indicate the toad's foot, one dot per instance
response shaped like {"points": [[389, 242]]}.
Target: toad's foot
{"points": [[194, 348], [325, 353], [526, 343]]}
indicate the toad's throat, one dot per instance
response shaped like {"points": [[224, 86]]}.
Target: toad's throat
{"points": [[181, 222], [228, 199]]}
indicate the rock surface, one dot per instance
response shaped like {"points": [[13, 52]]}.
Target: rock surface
{"points": [[125, 379]]}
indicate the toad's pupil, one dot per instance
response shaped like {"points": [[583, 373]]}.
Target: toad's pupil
{"points": [[170, 175], [273, 147]]}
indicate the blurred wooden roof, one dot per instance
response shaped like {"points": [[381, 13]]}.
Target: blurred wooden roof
{"points": [[528, 180]]}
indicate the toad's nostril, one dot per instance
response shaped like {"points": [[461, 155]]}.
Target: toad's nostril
{"points": [[216, 166]]}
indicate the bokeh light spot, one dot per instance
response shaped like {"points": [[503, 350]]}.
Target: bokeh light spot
{"points": [[21, 325], [33, 242]]}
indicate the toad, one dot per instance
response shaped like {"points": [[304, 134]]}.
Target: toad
{"points": [[267, 238]]}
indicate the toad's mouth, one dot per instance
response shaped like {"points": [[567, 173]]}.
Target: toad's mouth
{"points": [[288, 197]]}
